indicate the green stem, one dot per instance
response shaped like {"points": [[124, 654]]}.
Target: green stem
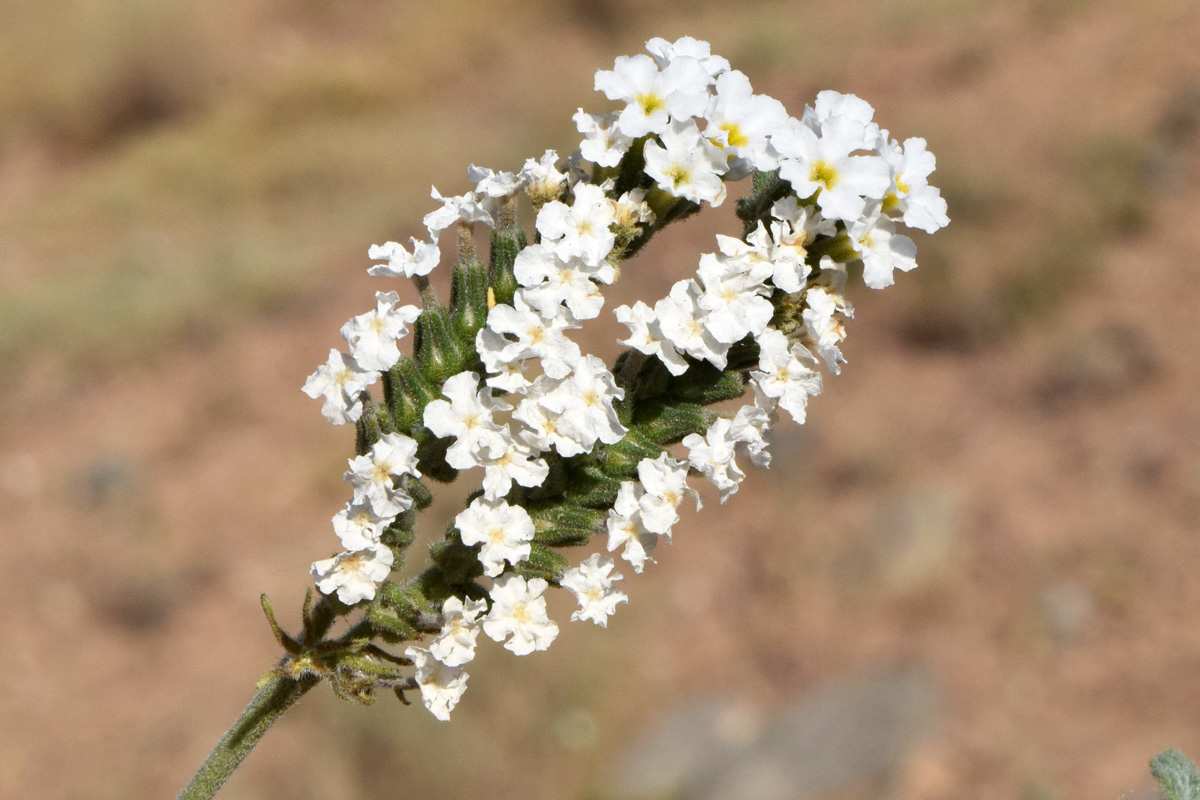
{"points": [[275, 697]]}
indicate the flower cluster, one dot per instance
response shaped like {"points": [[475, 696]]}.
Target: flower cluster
{"points": [[568, 449]]}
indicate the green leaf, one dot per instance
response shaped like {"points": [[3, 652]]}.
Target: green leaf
{"points": [[1177, 776]]}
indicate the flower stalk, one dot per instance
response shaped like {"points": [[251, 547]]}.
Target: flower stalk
{"points": [[274, 697]]}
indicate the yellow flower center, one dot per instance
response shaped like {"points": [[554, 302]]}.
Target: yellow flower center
{"points": [[824, 173], [651, 103], [734, 135], [679, 175]]}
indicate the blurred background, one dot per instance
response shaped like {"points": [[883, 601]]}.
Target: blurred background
{"points": [[973, 573]]}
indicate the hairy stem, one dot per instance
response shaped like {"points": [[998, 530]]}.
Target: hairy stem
{"points": [[275, 697]]}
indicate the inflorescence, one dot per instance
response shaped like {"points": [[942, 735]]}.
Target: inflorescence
{"points": [[569, 449]]}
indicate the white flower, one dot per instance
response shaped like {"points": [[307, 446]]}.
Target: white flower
{"points": [[455, 645], [652, 97], [552, 280], [823, 163], [541, 178], [373, 336], [822, 327], [507, 461], [493, 185], [741, 123], [519, 611], [503, 361], [786, 375], [646, 336], [734, 297], [341, 381], [504, 531], [467, 417], [442, 686], [584, 404], [751, 427], [881, 248], [464, 208], [687, 164], [393, 456], [358, 526], [665, 52], [919, 204], [536, 337], [682, 323], [540, 423], [664, 480], [632, 210], [713, 456], [354, 576], [795, 227], [581, 229], [401, 263], [604, 143], [830, 104], [592, 586], [625, 528]]}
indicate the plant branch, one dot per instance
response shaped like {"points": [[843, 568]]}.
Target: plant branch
{"points": [[276, 696]]}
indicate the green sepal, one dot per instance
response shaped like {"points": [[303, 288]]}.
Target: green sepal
{"points": [[433, 586], [564, 537], [419, 492], [390, 625], [352, 691], [436, 347], [286, 642], [368, 429], [506, 244], [542, 563], [565, 525], [556, 483], [431, 456], [631, 172], [400, 533], [641, 377], [400, 404], [704, 384], [320, 615], [590, 486], [468, 302], [1177, 776], [666, 424], [459, 563], [837, 247], [620, 460], [408, 601], [767, 188], [417, 391], [370, 667]]}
